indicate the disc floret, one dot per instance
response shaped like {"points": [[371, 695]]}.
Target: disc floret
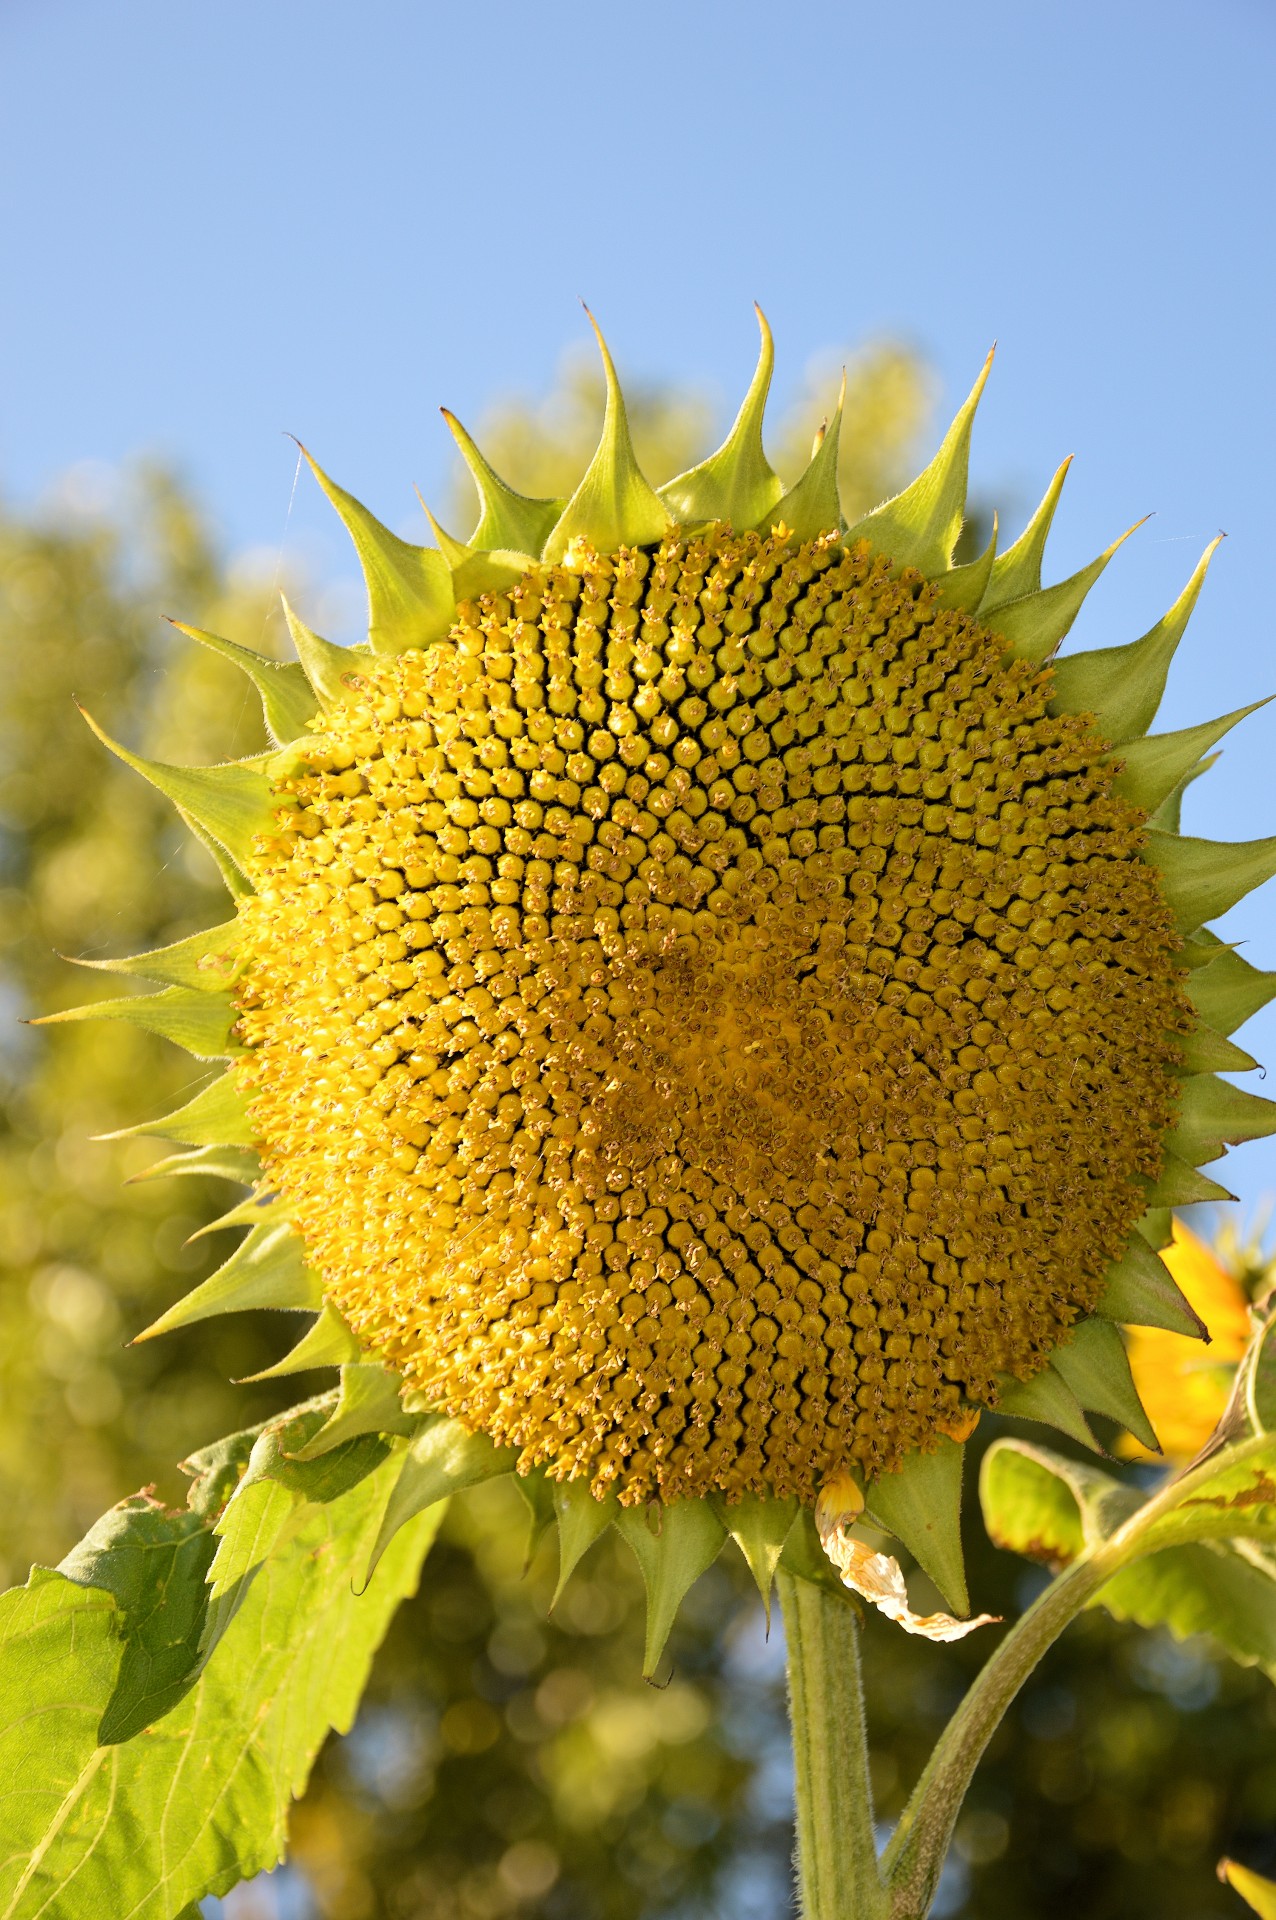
{"points": [[708, 1016]]}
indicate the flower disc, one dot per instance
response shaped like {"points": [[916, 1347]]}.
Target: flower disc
{"points": [[708, 1017]]}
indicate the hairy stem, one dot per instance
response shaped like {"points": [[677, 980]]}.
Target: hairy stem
{"points": [[915, 1856], [837, 1871]]}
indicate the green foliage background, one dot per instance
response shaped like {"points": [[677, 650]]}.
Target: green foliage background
{"points": [[505, 1762]]}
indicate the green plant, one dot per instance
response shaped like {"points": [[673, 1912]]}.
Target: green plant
{"points": [[707, 1013]]}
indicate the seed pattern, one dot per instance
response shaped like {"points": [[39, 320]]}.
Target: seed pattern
{"points": [[708, 1017]]}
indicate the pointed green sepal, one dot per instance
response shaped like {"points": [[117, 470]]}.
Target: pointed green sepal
{"points": [[613, 506], [1156, 1226], [476, 570], [328, 1343], [1205, 1051], [1141, 1292], [442, 1459], [1016, 573], [216, 1117], [759, 1528], [1122, 686], [1046, 1397], [324, 665], [1095, 1365], [1181, 1185], [921, 1505], [1203, 878], [210, 1163], [508, 521], [1033, 627], [1227, 991], [673, 1545], [233, 803], [200, 1022], [812, 505], [287, 701], [536, 1490], [1215, 1115], [581, 1520], [1154, 765], [737, 484], [208, 961], [1168, 817], [267, 1269], [962, 588], [410, 599], [367, 1402], [257, 1210], [920, 527]]}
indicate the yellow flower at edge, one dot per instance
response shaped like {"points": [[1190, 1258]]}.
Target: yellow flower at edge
{"points": [[1183, 1385]]}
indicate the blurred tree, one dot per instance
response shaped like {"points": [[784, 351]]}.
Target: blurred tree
{"points": [[506, 1761]]}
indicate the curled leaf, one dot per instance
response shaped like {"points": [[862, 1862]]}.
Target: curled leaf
{"points": [[878, 1579]]}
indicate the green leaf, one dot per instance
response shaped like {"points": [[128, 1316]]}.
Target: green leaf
{"points": [[1227, 991], [581, 1521], [613, 506], [1122, 686], [759, 1528], [287, 700], [270, 1501], [267, 1269], [475, 570], [1214, 1588], [1213, 1115], [154, 1562], [199, 1022], [812, 506], [213, 1163], [200, 1801], [233, 803], [805, 1559], [1141, 1292], [921, 525], [962, 588], [1046, 1397], [1033, 627], [673, 1545], [737, 483], [216, 1117], [324, 665], [410, 598], [444, 1458], [506, 519], [1154, 766], [208, 961], [1047, 1508], [1181, 1185], [1231, 1496], [1203, 878], [328, 1343], [367, 1402], [1016, 573], [1095, 1365], [536, 1490], [921, 1505], [1205, 1051]]}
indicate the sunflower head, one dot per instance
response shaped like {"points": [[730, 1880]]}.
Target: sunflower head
{"points": [[715, 1007]]}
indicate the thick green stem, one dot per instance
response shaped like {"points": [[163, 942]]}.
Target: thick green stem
{"points": [[837, 1871], [915, 1856]]}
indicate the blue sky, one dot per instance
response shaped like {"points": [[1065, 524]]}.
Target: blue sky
{"points": [[223, 223]]}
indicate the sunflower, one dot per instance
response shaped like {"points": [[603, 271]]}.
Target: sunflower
{"points": [[710, 1006]]}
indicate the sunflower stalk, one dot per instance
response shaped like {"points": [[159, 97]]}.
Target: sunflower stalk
{"points": [[836, 1857]]}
